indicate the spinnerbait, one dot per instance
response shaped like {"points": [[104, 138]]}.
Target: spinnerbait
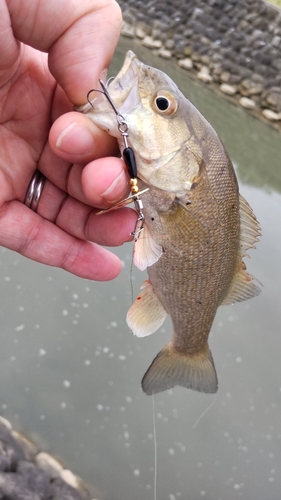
{"points": [[130, 161]]}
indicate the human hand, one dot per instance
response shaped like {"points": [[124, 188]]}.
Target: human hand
{"points": [[80, 38]]}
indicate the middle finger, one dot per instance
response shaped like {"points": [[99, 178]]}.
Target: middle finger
{"points": [[81, 221]]}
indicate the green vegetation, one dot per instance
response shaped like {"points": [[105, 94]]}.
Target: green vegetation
{"points": [[275, 2]]}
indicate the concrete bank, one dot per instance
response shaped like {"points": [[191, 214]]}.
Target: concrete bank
{"points": [[27, 473], [234, 46]]}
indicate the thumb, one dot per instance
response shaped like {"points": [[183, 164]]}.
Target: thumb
{"points": [[79, 56], [80, 37]]}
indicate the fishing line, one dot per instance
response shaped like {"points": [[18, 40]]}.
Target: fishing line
{"points": [[128, 156], [204, 412], [131, 276], [155, 449], [130, 161], [196, 218]]}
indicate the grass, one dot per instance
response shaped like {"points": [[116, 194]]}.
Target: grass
{"points": [[275, 2]]}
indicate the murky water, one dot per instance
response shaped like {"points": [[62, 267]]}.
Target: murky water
{"points": [[70, 369]]}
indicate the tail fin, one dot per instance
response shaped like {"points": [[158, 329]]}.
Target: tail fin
{"points": [[171, 367]]}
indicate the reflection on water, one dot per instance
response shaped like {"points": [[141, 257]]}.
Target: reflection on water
{"points": [[70, 369]]}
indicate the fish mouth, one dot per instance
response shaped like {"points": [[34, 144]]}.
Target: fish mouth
{"points": [[123, 92], [120, 86], [124, 78], [125, 81]]}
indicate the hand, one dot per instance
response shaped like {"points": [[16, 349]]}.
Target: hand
{"points": [[79, 38]]}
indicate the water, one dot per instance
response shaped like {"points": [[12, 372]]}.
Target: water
{"points": [[70, 369]]}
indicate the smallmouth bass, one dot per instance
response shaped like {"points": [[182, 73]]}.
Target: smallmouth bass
{"points": [[197, 228]]}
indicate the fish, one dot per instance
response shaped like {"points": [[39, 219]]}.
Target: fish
{"points": [[198, 227]]}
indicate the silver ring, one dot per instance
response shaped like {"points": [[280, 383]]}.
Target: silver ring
{"points": [[34, 190]]}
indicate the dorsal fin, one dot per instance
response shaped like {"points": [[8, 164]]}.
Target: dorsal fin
{"points": [[249, 226], [243, 286]]}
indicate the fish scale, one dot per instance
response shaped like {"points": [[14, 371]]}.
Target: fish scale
{"points": [[196, 275], [197, 226]]}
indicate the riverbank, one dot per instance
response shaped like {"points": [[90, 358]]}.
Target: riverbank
{"points": [[234, 47], [26, 472]]}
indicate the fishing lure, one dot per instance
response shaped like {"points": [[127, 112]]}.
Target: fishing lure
{"points": [[130, 161]]}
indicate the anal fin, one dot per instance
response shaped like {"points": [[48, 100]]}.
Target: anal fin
{"points": [[146, 314], [171, 368]]}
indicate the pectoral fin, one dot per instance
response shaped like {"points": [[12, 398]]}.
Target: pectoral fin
{"points": [[171, 368], [146, 314], [146, 250]]}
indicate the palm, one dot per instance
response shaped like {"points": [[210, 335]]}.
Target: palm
{"points": [[30, 102]]}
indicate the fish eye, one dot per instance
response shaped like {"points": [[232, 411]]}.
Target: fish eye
{"points": [[165, 103], [162, 103]]}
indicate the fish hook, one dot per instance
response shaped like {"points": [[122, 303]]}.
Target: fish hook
{"points": [[122, 124], [130, 161]]}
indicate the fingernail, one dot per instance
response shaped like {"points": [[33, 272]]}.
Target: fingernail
{"points": [[112, 193], [75, 139]]}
